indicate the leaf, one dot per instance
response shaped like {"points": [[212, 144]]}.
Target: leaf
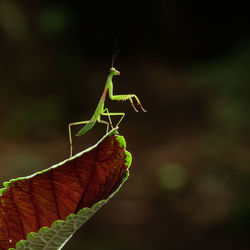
{"points": [[43, 210]]}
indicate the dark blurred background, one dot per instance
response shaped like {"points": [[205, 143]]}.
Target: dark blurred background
{"points": [[190, 177]]}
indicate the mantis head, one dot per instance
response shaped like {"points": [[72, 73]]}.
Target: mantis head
{"points": [[114, 72]]}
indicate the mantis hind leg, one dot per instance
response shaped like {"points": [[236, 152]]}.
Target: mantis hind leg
{"points": [[115, 114], [70, 135], [104, 122], [107, 113]]}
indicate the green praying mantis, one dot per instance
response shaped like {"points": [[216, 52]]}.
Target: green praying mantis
{"points": [[101, 111]]}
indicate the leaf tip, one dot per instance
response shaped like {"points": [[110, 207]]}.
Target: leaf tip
{"points": [[121, 141]]}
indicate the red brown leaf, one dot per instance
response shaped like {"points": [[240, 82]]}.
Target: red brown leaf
{"points": [[27, 204]]}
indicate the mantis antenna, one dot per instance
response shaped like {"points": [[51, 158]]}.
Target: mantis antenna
{"points": [[114, 57], [115, 53]]}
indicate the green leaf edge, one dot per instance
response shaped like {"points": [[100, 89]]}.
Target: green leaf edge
{"points": [[86, 212]]}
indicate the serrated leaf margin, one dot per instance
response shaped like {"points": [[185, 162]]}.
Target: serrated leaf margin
{"points": [[56, 236]]}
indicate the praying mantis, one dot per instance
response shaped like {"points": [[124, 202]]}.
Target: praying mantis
{"points": [[101, 111]]}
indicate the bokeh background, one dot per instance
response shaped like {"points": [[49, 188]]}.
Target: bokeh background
{"points": [[190, 177]]}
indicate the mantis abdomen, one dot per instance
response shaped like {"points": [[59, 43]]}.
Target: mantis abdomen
{"points": [[87, 127]]}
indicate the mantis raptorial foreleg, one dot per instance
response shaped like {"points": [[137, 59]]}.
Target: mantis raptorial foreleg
{"points": [[123, 97]]}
